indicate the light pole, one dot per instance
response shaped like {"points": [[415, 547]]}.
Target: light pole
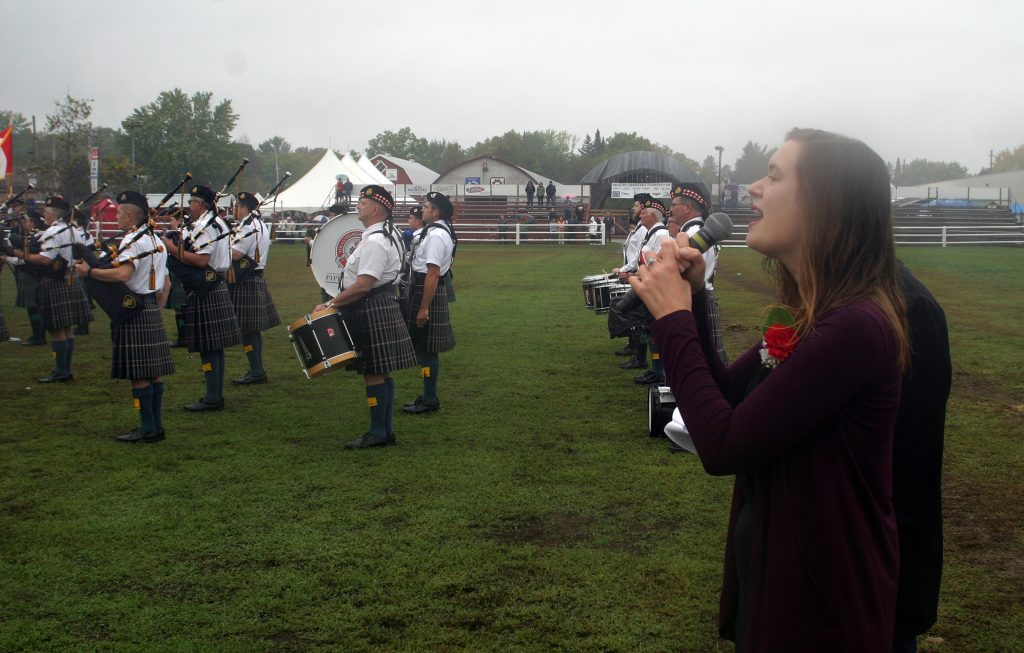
{"points": [[719, 148]]}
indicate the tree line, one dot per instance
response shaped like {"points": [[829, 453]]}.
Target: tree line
{"points": [[156, 143]]}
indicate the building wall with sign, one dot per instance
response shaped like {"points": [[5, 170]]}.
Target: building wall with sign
{"points": [[487, 168]]}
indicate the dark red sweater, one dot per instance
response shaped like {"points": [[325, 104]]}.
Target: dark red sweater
{"points": [[815, 438]]}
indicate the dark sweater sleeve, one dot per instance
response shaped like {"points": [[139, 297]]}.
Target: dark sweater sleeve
{"points": [[847, 348], [732, 379]]}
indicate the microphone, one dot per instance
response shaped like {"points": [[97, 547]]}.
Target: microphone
{"points": [[718, 227]]}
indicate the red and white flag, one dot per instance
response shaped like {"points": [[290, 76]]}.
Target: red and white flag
{"points": [[6, 151]]}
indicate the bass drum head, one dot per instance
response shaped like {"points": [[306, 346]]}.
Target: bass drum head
{"points": [[330, 250]]}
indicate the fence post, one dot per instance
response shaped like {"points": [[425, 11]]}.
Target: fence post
{"points": [[517, 233], [943, 235]]}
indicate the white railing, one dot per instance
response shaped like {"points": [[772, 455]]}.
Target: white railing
{"points": [[942, 235]]}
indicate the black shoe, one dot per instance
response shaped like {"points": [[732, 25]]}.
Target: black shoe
{"points": [[370, 440], [201, 404], [177, 343], [250, 379], [154, 436], [649, 378], [413, 404], [33, 341], [625, 351], [675, 448], [131, 437], [421, 406], [633, 365], [57, 378]]}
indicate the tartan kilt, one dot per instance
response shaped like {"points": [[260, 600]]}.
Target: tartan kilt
{"points": [[28, 290], [210, 322], [141, 350], [176, 298], [715, 326], [254, 307], [62, 306], [379, 335], [5, 335], [437, 336], [86, 301]]}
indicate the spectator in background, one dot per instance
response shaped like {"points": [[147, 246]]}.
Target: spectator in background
{"points": [[550, 191], [530, 190], [561, 227], [569, 212], [553, 230], [592, 230], [579, 212], [503, 226]]}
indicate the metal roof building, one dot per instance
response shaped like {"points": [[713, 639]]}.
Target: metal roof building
{"points": [[635, 168]]}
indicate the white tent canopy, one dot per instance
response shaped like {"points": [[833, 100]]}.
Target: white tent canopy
{"points": [[315, 189]]}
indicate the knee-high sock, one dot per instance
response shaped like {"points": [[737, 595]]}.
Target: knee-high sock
{"points": [[158, 404], [431, 366], [656, 365], [389, 408], [35, 319], [179, 323], [209, 359], [71, 352], [641, 350], [60, 356], [219, 357], [376, 400], [253, 346], [144, 404]]}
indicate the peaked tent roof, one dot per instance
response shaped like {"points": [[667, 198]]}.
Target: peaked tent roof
{"points": [[367, 166], [313, 189]]}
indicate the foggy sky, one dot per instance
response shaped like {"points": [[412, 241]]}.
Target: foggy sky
{"points": [[912, 79]]}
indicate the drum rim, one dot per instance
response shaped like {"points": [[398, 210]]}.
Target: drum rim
{"points": [[311, 317], [331, 363]]}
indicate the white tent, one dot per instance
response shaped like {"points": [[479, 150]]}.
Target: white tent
{"points": [[315, 189], [367, 165]]}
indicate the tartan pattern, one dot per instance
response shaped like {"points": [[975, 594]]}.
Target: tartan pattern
{"points": [[210, 322], [141, 350], [176, 298], [715, 325], [437, 336], [86, 301], [62, 306], [253, 304], [28, 290], [379, 334]]}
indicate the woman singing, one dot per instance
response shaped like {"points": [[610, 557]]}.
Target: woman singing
{"points": [[804, 420]]}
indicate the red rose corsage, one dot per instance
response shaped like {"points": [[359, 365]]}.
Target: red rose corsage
{"points": [[780, 337]]}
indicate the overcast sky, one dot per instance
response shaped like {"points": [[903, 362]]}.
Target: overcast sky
{"points": [[913, 79]]}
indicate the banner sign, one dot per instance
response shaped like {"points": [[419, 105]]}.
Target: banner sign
{"points": [[94, 169], [627, 191]]}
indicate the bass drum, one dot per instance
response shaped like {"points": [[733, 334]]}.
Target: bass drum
{"points": [[330, 250]]}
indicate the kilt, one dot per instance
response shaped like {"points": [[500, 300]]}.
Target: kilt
{"points": [[141, 350], [210, 322], [85, 299], [62, 306], [28, 290], [176, 298], [715, 326], [378, 334], [437, 335], [254, 307]]}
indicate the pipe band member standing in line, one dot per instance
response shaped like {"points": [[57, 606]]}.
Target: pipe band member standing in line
{"points": [[427, 309], [254, 307], [368, 305], [63, 305], [27, 277], [141, 352], [210, 323], [636, 347]]}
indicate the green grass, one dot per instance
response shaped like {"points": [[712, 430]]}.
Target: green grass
{"points": [[531, 513]]}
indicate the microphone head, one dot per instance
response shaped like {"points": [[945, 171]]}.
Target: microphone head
{"points": [[287, 174], [718, 227]]}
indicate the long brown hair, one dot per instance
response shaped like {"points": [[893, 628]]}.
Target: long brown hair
{"points": [[850, 254]]}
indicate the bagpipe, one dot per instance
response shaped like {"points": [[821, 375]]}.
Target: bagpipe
{"points": [[116, 299], [58, 268], [246, 265], [195, 280]]}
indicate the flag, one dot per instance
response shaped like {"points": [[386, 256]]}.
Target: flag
{"points": [[6, 152]]}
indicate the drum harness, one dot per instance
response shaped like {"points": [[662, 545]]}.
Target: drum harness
{"points": [[407, 274]]}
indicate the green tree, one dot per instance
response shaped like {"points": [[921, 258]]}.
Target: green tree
{"points": [[404, 144], [1008, 160], [752, 163], [442, 155], [548, 152], [921, 171], [708, 171], [71, 130], [177, 133]]}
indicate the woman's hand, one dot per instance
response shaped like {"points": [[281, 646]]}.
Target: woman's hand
{"points": [[691, 263], [660, 282]]}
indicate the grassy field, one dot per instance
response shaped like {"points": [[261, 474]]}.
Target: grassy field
{"points": [[532, 513]]}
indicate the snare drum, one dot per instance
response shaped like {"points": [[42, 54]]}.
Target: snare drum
{"points": [[660, 404], [588, 284], [322, 342], [603, 294]]}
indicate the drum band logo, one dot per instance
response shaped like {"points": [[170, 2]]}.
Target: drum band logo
{"points": [[346, 245], [330, 331]]}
